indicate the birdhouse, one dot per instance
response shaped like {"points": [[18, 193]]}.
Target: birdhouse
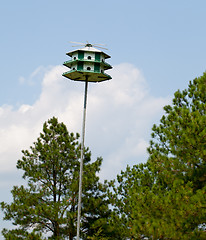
{"points": [[87, 64]]}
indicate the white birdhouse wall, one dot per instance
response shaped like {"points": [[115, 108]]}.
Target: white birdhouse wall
{"points": [[88, 66], [91, 61], [75, 56], [89, 56]]}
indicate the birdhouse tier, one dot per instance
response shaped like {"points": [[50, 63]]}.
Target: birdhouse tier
{"points": [[87, 64]]}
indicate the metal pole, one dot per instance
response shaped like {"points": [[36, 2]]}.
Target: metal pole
{"points": [[82, 156]]}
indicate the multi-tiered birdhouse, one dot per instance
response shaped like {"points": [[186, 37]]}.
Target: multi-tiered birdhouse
{"points": [[87, 64]]}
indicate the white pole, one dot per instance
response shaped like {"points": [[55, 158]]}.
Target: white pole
{"points": [[82, 156]]}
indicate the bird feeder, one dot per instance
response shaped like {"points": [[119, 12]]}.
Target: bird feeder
{"points": [[87, 64]]}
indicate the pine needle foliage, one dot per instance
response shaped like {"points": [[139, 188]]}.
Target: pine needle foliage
{"points": [[165, 198], [47, 204]]}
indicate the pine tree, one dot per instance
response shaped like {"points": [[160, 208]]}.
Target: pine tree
{"points": [[178, 148], [165, 198], [48, 203]]}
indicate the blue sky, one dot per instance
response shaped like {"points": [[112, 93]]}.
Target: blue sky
{"points": [[156, 48]]}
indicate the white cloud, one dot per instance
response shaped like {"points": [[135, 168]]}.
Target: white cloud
{"points": [[120, 114], [33, 78]]}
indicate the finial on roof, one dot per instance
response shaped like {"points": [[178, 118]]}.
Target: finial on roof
{"points": [[88, 45]]}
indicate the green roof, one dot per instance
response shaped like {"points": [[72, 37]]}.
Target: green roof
{"points": [[70, 63]]}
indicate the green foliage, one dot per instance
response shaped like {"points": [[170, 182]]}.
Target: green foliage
{"points": [[178, 148], [165, 198], [19, 234], [48, 204], [98, 235]]}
